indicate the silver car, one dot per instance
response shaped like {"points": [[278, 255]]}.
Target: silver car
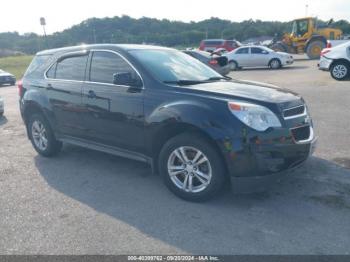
{"points": [[257, 56], [1, 106]]}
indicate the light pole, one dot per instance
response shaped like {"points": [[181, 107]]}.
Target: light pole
{"points": [[43, 24], [306, 9]]}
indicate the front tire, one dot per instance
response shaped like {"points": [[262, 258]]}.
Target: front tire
{"points": [[275, 64], [340, 71], [191, 167], [42, 137]]}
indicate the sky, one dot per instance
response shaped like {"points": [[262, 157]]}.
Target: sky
{"points": [[23, 15]]}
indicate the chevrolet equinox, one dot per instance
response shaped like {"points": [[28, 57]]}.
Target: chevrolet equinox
{"points": [[195, 127]]}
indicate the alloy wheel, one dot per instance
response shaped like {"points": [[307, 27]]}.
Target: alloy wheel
{"points": [[189, 169], [39, 135], [340, 71]]}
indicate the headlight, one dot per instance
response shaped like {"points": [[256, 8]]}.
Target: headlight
{"points": [[257, 117]]}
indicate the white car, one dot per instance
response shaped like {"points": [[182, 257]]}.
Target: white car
{"points": [[336, 60], [1, 106], [258, 56]]}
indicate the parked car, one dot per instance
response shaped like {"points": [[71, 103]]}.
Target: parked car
{"points": [[258, 56], [210, 45], [336, 60], [160, 106], [1, 106], [218, 63], [7, 78]]}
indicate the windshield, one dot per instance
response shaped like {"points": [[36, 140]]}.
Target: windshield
{"points": [[173, 66]]}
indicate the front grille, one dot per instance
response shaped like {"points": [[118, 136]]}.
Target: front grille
{"points": [[294, 111], [301, 133]]}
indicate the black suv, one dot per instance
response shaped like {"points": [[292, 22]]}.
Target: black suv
{"points": [[161, 106]]}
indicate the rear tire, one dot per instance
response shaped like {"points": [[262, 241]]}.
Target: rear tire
{"points": [[42, 136], [275, 63], [340, 70], [314, 49], [190, 178]]}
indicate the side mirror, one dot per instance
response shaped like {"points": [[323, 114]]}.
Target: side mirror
{"points": [[265, 52], [126, 79]]}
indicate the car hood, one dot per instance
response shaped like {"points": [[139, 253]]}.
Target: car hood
{"points": [[6, 74], [248, 90], [282, 54]]}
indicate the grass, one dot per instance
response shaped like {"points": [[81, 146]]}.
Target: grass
{"points": [[15, 65]]}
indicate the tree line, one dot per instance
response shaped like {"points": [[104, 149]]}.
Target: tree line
{"points": [[149, 30]]}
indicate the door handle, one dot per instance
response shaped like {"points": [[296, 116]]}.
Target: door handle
{"points": [[91, 94], [49, 87]]}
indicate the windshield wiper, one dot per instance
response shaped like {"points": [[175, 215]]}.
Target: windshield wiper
{"points": [[195, 82], [216, 78], [185, 82]]}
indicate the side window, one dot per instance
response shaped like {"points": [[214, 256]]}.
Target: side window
{"points": [[256, 50], [104, 65], [71, 68], [52, 71], [243, 51]]}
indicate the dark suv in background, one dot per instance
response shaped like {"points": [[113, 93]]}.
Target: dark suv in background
{"points": [[161, 106]]}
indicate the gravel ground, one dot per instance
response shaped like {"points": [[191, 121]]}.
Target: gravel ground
{"points": [[86, 202]]}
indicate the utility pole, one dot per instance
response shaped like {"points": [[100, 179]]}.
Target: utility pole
{"points": [[43, 24], [94, 35], [306, 9]]}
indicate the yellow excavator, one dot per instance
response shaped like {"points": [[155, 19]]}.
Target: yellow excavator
{"points": [[307, 37]]}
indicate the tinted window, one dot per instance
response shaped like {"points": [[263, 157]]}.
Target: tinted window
{"points": [[105, 65], [38, 66], [71, 68], [52, 71], [256, 50], [243, 51]]}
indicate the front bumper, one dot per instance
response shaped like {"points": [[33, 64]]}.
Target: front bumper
{"points": [[268, 153], [324, 63], [7, 80]]}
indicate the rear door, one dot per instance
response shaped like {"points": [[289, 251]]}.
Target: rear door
{"points": [[64, 89], [113, 113]]}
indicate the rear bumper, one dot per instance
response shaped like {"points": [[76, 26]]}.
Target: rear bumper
{"points": [[224, 70], [324, 63]]}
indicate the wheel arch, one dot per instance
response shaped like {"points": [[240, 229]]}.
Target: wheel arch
{"points": [[171, 130], [340, 60]]}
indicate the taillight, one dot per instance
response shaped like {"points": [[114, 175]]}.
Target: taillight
{"points": [[213, 62], [325, 51], [329, 44], [20, 88]]}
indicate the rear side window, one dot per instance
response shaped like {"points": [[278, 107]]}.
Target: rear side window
{"points": [[71, 68], [256, 50], [38, 66], [104, 65], [243, 51]]}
